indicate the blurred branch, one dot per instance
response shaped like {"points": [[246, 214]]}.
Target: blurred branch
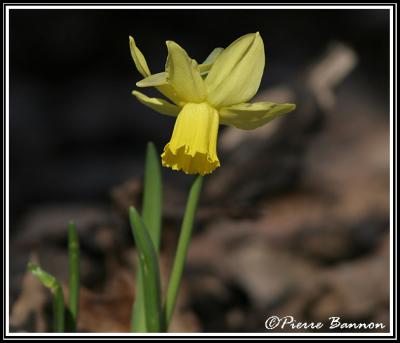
{"points": [[330, 71]]}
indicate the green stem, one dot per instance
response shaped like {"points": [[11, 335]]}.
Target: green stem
{"points": [[74, 276], [181, 252], [58, 308]]}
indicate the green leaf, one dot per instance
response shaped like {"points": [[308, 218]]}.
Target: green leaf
{"points": [[181, 252], [152, 195], [138, 318], [49, 281], [74, 275], [151, 214], [150, 273]]}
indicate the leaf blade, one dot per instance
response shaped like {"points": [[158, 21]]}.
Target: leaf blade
{"points": [[152, 195], [50, 282], [74, 274], [150, 272], [151, 214]]}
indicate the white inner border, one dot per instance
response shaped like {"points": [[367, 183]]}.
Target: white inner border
{"points": [[153, 7]]}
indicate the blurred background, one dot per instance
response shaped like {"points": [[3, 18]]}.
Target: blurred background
{"points": [[296, 220]]}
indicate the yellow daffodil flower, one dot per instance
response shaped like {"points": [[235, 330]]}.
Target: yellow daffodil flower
{"points": [[203, 96]]}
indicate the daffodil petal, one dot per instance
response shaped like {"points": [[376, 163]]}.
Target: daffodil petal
{"points": [[153, 80], [138, 58], [204, 69], [156, 104], [213, 56], [184, 74], [156, 80], [236, 74], [170, 93], [160, 82], [248, 116], [208, 62], [193, 145]]}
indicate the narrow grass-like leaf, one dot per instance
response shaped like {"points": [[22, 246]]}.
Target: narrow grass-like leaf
{"points": [[74, 275], [152, 195], [150, 273], [181, 252], [151, 214], [49, 281], [138, 318]]}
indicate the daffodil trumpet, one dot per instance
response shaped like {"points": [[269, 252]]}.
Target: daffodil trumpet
{"points": [[203, 96]]}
